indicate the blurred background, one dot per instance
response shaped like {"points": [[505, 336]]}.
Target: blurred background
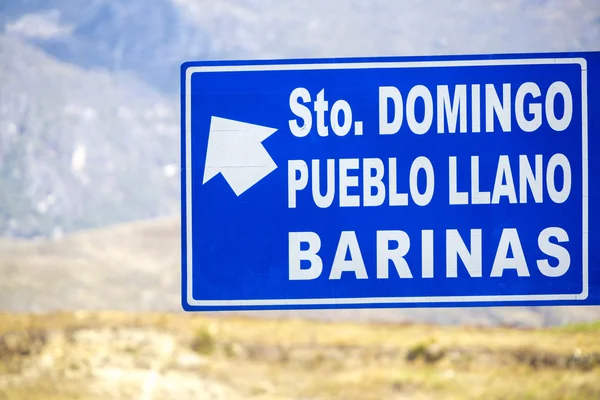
{"points": [[89, 212]]}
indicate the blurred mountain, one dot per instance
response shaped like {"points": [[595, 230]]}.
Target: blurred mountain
{"points": [[80, 148], [148, 38], [131, 266], [88, 119]]}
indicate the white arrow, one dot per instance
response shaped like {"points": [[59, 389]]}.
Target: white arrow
{"points": [[235, 150]]}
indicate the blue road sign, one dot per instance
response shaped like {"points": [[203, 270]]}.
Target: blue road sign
{"points": [[391, 182]]}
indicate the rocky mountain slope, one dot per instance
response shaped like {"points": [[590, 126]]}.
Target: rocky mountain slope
{"points": [[80, 148], [88, 113], [146, 38]]}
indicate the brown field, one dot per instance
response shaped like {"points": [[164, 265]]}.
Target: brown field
{"points": [[113, 355]]}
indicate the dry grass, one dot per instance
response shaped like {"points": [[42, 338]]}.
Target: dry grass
{"points": [[284, 359]]}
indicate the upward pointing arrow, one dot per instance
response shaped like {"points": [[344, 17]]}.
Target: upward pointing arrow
{"points": [[235, 151]]}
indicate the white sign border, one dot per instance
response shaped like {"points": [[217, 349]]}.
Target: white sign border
{"points": [[382, 300]]}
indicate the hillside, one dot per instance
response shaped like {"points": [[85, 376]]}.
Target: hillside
{"points": [[88, 116], [80, 148], [146, 38], [136, 267], [128, 267], [89, 356]]}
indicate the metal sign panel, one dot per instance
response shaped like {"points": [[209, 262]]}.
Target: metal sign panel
{"points": [[391, 182]]}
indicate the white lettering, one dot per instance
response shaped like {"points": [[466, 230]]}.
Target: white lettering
{"points": [[296, 182], [396, 256], [422, 92], [301, 111], [558, 160], [396, 199], [321, 106], [475, 108], [561, 88], [509, 239], [477, 197], [456, 247], [347, 181], [386, 93], [421, 163], [427, 253], [554, 250], [348, 244], [371, 182], [527, 178], [456, 197], [326, 200], [500, 109], [344, 107], [504, 173], [296, 256], [528, 125], [459, 104]]}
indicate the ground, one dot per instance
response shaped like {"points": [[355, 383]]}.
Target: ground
{"points": [[115, 355]]}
